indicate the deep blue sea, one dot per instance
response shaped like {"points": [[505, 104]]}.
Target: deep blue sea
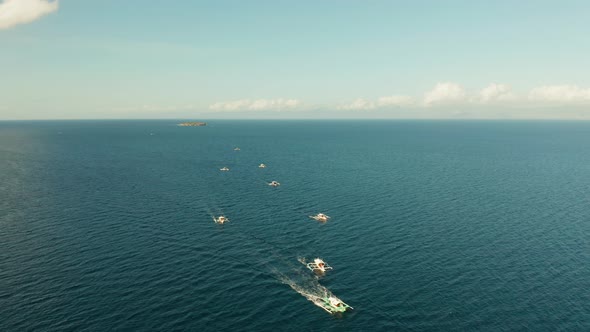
{"points": [[436, 225]]}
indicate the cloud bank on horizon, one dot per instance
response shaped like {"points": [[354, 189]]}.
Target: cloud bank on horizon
{"points": [[441, 95], [452, 94], [256, 105], [14, 12]]}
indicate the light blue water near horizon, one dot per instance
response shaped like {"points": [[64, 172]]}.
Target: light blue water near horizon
{"points": [[436, 225]]}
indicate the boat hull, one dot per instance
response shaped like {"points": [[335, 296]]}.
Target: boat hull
{"points": [[326, 305]]}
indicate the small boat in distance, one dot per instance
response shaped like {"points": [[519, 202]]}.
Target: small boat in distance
{"points": [[320, 217], [220, 220], [224, 169], [236, 149], [318, 265], [333, 305], [261, 166], [274, 184]]}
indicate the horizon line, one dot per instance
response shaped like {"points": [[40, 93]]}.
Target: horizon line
{"points": [[300, 119]]}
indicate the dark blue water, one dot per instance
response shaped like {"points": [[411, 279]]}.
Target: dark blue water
{"points": [[436, 226]]}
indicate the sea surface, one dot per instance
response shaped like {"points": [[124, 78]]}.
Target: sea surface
{"points": [[436, 225]]}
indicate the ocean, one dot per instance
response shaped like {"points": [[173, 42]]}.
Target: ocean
{"points": [[435, 225]]}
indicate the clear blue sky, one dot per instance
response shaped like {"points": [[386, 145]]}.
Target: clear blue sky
{"points": [[159, 59]]}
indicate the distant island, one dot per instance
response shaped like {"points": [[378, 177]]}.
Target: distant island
{"points": [[192, 124]]}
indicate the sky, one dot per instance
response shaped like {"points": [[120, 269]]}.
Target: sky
{"points": [[455, 59]]}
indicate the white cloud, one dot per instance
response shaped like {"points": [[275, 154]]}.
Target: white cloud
{"points": [[395, 101], [445, 93], [358, 104], [560, 93], [256, 105], [495, 93], [13, 12], [382, 102]]}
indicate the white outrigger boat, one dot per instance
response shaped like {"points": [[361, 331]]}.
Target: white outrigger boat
{"points": [[318, 265], [220, 220], [332, 304], [261, 166], [320, 217], [274, 184], [236, 149], [225, 169]]}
